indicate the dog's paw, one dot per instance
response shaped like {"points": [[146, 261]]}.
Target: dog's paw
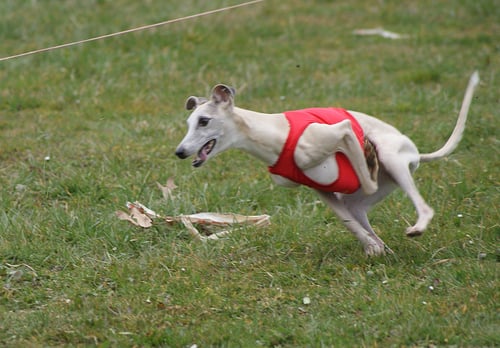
{"points": [[413, 231], [425, 216], [375, 250]]}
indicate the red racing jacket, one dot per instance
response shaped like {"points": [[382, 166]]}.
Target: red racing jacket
{"points": [[347, 182]]}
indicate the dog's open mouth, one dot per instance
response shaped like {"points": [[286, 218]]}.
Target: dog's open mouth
{"points": [[203, 153]]}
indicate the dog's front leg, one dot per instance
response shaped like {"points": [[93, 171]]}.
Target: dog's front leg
{"points": [[319, 141], [372, 244]]}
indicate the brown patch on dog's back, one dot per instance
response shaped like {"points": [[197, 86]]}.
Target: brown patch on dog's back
{"points": [[371, 158]]}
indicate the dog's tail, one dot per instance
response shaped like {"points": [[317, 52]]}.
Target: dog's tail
{"points": [[457, 133]]}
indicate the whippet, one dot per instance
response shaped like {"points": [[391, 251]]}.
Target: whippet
{"points": [[352, 161]]}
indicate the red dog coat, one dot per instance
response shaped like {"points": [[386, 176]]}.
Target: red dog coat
{"points": [[347, 181]]}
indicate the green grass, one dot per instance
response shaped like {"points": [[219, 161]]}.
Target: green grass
{"points": [[85, 129]]}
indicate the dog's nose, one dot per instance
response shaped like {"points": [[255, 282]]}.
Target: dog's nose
{"points": [[180, 153]]}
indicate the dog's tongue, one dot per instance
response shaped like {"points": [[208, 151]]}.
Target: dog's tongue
{"points": [[202, 155]]}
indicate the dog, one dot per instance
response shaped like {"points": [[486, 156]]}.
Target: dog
{"points": [[352, 161]]}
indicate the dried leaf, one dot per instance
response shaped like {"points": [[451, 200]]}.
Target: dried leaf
{"points": [[142, 219], [143, 209], [218, 235], [196, 234], [136, 216], [124, 216], [142, 216], [187, 223], [168, 188], [227, 219]]}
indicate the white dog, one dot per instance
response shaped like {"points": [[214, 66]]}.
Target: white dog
{"points": [[351, 159]]}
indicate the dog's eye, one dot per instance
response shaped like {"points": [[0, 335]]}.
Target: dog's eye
{"points": [[203, 121]]}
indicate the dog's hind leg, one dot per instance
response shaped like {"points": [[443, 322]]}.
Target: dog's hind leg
{"points": [[400, 172], [372, 244], [359, 204], [320, 141]]}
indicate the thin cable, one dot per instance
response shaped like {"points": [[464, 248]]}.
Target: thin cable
{"points": [[130, 30]]}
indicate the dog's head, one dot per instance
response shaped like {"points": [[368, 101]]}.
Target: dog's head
{"points": [[207, 132]]}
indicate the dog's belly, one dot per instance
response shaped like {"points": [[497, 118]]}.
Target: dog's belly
{"points": [[325, 173], [282, 181]]}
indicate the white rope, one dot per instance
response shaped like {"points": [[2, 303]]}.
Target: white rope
{"points": [[130, 30]]}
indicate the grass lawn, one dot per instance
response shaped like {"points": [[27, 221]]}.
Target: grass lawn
{"points": [[85, 129]]}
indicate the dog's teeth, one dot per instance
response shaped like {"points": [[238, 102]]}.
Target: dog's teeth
{"points": [[209, 146]]}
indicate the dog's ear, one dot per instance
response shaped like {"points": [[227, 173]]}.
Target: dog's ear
{"points": [[193, 102], [223, 93]]}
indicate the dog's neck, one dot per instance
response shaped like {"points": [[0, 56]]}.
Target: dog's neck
{"points": [[262, 135]]}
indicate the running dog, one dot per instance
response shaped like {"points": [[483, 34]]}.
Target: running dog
{"points": [[351, 159]]}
